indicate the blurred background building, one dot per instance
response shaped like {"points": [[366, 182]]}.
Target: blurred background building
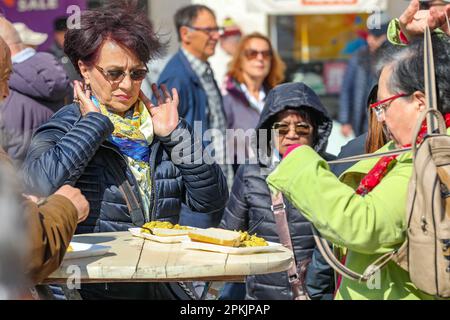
{"points": [[314, 37]]}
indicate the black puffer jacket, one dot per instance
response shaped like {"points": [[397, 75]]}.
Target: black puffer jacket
{"points": [[249, 204]]}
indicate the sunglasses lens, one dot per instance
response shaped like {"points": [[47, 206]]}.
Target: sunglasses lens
{"points": [[302, 130], [251, 54], [114, 75], [282, 129], [138, 75]]}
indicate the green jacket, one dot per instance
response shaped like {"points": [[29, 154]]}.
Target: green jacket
{"points": [[367, 226]]}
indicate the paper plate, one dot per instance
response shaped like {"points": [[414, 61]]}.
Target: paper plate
{"points": [[85, 250]]}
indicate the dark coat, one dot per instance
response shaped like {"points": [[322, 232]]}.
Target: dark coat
{"points": [[73, 150], [38, 87], [359, 79], [354, 147], [249, 204]]}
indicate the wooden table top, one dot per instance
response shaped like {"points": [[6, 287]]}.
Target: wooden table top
{"points": [[134, 259]]}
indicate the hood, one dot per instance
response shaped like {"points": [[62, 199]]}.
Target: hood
{"points": [[297, 96], [40, 77]]}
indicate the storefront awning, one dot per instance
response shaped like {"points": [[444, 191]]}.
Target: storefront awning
{"points": [[299, 7]]}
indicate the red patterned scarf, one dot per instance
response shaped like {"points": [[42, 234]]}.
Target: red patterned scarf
{"points": [[385, 164]]}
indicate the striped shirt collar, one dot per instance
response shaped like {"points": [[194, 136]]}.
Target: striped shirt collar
{"points": [[199, 66]]}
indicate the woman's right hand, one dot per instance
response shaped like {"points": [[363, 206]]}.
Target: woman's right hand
{"points": [[83, 98]]}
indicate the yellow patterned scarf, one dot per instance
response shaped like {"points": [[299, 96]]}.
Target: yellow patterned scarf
{"points": [[133, 135]]}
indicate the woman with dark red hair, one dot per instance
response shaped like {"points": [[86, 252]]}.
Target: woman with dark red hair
{"points": [[116, 146]]}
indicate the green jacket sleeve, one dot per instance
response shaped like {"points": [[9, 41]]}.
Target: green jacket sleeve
{"points": [[393, 33], [373, 224]]}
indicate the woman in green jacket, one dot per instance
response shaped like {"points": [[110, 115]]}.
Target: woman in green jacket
{"points": [[364, 210]]}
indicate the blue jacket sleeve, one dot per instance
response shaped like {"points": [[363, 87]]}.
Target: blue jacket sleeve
{"points": [[235, 216], [205, 184], [60, 152], [319, 278]]}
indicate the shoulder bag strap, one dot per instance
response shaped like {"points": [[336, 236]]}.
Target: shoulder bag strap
{"points": [[136, 214], [279, 211]]}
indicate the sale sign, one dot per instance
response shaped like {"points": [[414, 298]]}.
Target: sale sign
{"points": [[39, 15]]}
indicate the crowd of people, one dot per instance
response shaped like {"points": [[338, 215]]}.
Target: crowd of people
{"points": [[85, 150]]}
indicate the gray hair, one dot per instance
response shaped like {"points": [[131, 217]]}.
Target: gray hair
{"points": [[187, 15], [407, 63]]}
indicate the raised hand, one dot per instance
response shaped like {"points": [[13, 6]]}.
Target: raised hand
{"points": [[165, 114], [83, 98], [413, 21]]}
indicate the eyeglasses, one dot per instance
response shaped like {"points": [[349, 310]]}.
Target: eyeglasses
{"points": [[380, 107], [251, 54], [301, 128], [118, 75], [208, 31]]}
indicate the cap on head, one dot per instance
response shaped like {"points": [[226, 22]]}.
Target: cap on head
{"points": [[378, 23], [28, 36]]}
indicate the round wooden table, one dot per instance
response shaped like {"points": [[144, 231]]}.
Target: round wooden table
{"points": [[132, 259]]}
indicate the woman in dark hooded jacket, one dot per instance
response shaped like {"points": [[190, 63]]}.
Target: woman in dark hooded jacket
{"points": [[294, 112]]}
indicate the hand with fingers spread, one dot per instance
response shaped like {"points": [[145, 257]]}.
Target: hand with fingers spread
{"points": [[414, 21], [165, 114], [82, 96]]}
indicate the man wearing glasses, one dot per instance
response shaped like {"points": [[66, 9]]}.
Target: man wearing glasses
{"points": [[190, 73]]}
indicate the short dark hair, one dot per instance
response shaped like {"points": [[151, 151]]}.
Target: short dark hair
{"points": [[121, 21], [187, 15], [60, 24], [408, 68]]}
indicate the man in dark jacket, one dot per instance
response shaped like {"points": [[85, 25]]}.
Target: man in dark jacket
{"points": [[360, 78], [190, 73], [249, 207], [38, 87], [56, 49]]}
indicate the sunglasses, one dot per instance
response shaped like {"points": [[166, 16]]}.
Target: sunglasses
{"points": [[301, 128], [251, 54], [118, 75]]}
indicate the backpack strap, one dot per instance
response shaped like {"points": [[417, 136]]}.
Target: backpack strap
{"points": [[341, 269], [295, 280]]}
